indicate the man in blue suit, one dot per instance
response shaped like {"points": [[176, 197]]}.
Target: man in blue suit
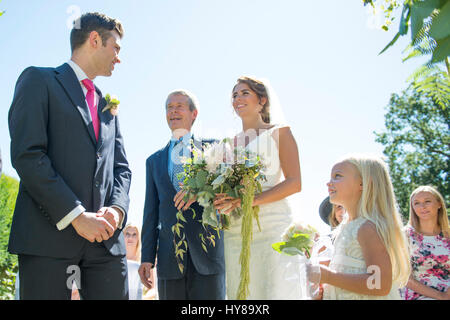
{"points": [[74, 175], [203, 275]]}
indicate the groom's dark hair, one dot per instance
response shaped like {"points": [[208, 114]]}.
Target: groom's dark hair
{"points": [[93, 21]]}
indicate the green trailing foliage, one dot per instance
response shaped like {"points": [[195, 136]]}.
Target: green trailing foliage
{"points": [[226, 169]]}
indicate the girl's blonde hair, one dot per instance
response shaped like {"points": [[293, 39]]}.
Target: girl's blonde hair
{"points": [[332, 218], [378, 205], [138, 245], [442, 212]]}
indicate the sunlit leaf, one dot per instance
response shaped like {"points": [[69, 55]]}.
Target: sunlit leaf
{"points": [[390, 43], [442, 50], [440, 28]]}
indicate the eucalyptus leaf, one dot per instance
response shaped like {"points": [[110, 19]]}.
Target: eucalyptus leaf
{"points": [[201, 179], [192, 183], [292, 251]]}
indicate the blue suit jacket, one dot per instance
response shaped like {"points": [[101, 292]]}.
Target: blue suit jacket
{"points": [[160, 216], [60, 163]]}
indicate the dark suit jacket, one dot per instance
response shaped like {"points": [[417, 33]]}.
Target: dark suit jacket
{"points": [[160, 216], [60, 164]]}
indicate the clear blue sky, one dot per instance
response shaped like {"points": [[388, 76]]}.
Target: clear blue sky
{"points": [[320, 56]]}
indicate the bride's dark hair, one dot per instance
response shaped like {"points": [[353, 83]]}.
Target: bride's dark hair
{"points": [[257, 87]]}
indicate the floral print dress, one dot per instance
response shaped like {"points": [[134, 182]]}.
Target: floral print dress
{"points": [[429, 261]]}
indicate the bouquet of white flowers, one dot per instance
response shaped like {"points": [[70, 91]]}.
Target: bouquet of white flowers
{"points": [[297, 239], [305, 241], [221, 168]]}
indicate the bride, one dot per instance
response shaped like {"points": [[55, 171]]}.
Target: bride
{"points": [[272, 275]]}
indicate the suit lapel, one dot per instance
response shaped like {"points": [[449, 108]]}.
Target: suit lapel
{"points": [[68, 80], [102, 117]]}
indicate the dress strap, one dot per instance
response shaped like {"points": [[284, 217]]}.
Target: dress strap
{"points": [[278, 126]]}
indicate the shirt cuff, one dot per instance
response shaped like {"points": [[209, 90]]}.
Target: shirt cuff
{"points": [[123, 215], [64, 222]]}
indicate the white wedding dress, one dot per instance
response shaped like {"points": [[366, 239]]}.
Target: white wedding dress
{"points": [[273, 276]]}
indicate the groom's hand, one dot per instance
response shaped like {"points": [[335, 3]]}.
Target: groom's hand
{"points": [[112, 215], [92, 227], [146, 274]]}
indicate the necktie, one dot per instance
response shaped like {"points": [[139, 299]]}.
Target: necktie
{"points": [[177, 165], [90, 98]]}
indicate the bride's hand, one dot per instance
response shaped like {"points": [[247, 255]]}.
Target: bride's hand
{"points": [[226, 204], [179, 201]]}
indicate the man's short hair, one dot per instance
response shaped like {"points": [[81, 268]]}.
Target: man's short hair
{"points": [[93, 21], [193, 101]]}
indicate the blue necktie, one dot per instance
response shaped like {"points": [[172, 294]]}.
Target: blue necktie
{"points": [[177, 165]]}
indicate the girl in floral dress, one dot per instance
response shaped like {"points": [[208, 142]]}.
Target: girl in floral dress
{"points": [[429, 246], [371, 259]]}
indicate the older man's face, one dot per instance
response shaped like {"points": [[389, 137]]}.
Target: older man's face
{"points": [[178, 114]]}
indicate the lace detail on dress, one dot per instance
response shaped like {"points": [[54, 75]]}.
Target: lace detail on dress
{"points": [[348, 258]]}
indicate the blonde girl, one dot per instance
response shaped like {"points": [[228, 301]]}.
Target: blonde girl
{"points": [[371, 257], [336, 216], [429, 246], [132, 242], [133, 246]]}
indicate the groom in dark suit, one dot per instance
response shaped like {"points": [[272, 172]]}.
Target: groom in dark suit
{"points": [[74, 175], [203, 275]]}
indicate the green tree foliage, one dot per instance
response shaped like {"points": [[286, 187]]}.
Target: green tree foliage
{"points": [[429, 22], [432, 82], [9, 188], [417, 144]]}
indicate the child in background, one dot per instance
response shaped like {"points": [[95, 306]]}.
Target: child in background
{"points": [[133, 245], [429, 246], [331, 214], [371, 257], [337, 215]]}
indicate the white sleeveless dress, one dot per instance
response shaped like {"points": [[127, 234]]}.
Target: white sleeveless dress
{"points": [[348, 258], [273, 276]]}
